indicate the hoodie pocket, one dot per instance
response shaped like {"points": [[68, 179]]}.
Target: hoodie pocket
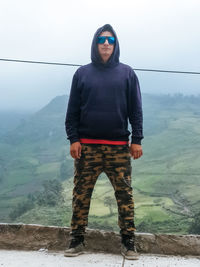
{"points": [[103, 123]]}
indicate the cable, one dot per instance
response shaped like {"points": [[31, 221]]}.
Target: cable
{"points": [[170, 71], [78, 65], [39, 62]]}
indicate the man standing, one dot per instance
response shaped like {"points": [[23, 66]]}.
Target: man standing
{"points": [[105, 94]]}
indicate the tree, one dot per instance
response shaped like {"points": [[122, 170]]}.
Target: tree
{"points": [[146, 225], [108, 202], [195, 225], [51, 194], [21, 208]]}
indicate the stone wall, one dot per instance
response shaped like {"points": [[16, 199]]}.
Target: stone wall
{"points": [[35, 237]]}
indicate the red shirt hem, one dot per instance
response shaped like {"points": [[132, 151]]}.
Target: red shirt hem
{"points": [[99, 141]]}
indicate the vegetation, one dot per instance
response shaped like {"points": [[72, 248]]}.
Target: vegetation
{"points": [[21, 208], [108, 202], [195, 225], [50, 196]]}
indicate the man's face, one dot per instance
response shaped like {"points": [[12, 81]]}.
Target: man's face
{"points": [[106, 49]]}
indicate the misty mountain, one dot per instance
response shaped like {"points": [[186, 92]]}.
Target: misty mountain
{"points": [[9, 120], [47, 123]]}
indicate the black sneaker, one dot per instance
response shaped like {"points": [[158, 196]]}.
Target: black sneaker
{"points": [[128, 249], [76, 247]]}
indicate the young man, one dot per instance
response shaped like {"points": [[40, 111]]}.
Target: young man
{"points": [[105, 94]]}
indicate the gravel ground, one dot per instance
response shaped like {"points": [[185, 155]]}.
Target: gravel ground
{"points": [[43, 258]]}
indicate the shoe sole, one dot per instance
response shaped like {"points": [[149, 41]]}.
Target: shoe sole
{"points": [[74, 254], [130, 257]]}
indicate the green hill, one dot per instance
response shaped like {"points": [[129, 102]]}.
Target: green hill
{"points": [[32, 153], [165, 180]]}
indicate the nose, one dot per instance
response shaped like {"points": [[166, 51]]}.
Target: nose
{"points": [[106, 42]]}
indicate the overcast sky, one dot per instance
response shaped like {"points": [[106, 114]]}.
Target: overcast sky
{"points": [[153, 34]]}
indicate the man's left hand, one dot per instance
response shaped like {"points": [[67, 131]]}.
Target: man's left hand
{"points": [[136, 151]]}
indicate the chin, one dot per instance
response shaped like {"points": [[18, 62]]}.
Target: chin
{"points": [[107, 54]]}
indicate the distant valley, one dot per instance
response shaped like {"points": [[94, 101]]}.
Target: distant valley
{"points": [[36, 170]]}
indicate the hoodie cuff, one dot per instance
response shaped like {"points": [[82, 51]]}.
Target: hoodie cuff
{"points": [[73, 140], [136, 140]]}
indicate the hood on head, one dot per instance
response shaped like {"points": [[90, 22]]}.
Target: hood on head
{"points": [[95, 57]]}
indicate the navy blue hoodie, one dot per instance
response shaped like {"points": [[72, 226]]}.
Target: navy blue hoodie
{"points": [[103, 97]]}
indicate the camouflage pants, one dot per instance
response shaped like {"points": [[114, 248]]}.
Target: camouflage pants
{"points": [[115, 161]]}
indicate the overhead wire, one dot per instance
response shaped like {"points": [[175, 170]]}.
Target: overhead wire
{"points": [[79, 65]]}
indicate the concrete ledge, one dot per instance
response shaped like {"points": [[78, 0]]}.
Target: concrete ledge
{"points": [[35, 237]]}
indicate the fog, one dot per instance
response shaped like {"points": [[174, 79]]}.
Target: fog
{"points": [[152, 34]]}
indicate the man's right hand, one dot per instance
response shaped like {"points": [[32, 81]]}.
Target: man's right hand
{"points": [[75, 150]]}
